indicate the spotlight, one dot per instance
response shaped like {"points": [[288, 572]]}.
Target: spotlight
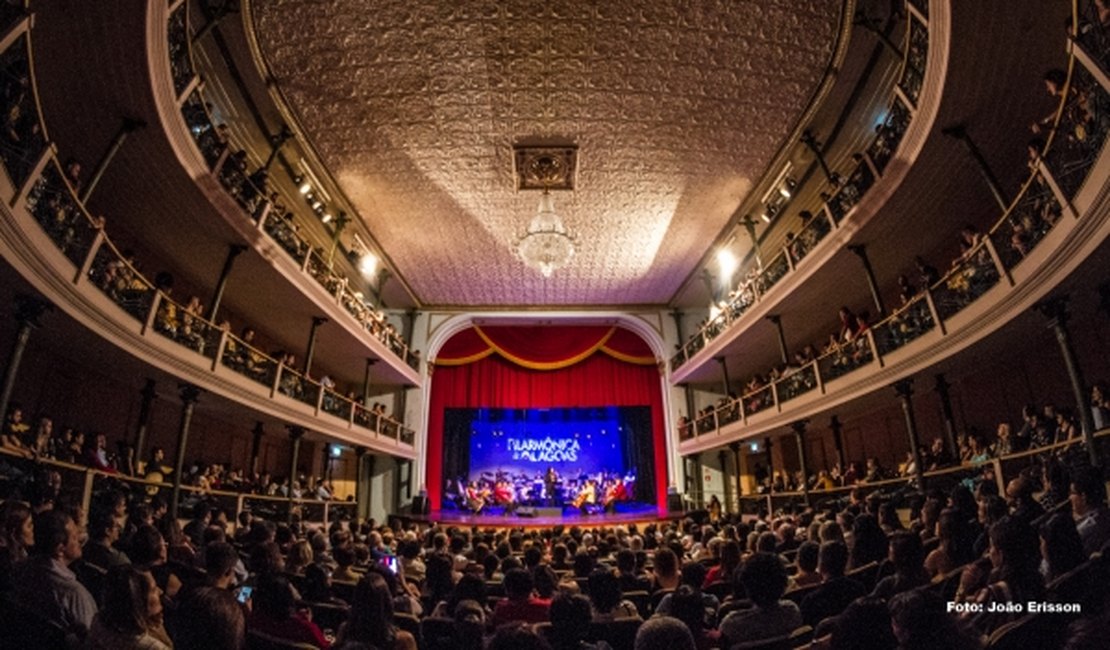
{"points": [[726, 262], [368, 264], [316, 205], [765, 217], [326, 218], [303, 186], [336, 451]]}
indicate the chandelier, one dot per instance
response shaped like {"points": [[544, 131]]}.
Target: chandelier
{"points": [[547, 245]]}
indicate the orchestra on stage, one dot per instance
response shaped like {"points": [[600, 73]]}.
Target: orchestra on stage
{"points": [[586, 493]]}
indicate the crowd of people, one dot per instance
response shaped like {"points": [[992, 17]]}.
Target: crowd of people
{"points": [[39, 439], [871, 572]]}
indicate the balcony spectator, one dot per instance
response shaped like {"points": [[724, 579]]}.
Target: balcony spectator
{"points": [[15, 431], [927, 275], [1100, 407], [1088, 506], [1065, 426]]}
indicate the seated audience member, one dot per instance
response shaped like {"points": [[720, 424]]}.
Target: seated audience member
{"points": [[1061, 547], [764, 580], [516, 636], [665, 570], [202, 516], [664, 633], [275, 613], [345, 559], [1015, 557], [1019, 495], [316, 587], [469, 587], [693, 575], [730, 561], [410, 559], [17, 535], [864, 625], [806, 562], [519, 604], [148, 552], [470, 625], [686, 606], [869, 542], [605, 598], [836, 590], [570, 621], [44, 583], [371, 618], [1088, 505], [920, 622], [220, 560], [626, 572], [955, 547], [100, 550], [209, 619], [299, 557], [131, 618], [907, 555]]}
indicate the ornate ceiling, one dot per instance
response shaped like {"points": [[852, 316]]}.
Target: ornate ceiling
{"points": [[676, 109]]}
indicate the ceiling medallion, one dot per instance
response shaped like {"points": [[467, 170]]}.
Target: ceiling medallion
{"points": [[547, 245]]}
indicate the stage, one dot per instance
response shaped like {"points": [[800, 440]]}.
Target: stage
{"points": [[638, 513]]}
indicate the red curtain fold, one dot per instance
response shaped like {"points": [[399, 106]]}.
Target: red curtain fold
{"points": [[491, 381]]}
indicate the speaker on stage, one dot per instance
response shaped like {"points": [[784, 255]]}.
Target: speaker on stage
{"points": [[420, 505]]}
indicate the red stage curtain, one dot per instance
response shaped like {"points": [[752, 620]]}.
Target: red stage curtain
{"points": [[550, 367]]}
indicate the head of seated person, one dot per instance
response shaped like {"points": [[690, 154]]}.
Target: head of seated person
{"points": [[919, 621], [664, 633], [220, 559], [764, 579], [832, 560], [518, 585], [570, 619], [863, 625], [209, 618]]}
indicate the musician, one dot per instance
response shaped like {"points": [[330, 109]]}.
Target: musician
{"points": [[476, 497], [587, 497], [550, 481]]}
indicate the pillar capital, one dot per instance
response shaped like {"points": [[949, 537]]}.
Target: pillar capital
{"points": [[775, 318], [904, 388], [1054, 309], [835, 424], [295, 432], [860, 250], [941, 383], [734, 446], [360, 451], [259, 428], [29, 309], [149, 391], [799, 427], [319, 320], [189, 393]]}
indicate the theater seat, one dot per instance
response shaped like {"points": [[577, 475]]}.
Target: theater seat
{"points": [[1030, 631], [642, 601], [439, 633], [410, 624], [620, 634], [259, 641], [23, 628]]}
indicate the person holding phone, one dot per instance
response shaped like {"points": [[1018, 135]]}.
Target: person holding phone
{"points": [[275, 613]]}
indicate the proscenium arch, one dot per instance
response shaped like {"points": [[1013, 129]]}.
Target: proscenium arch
{"points": [[631, 322]]}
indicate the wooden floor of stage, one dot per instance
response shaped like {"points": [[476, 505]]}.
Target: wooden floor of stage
{"points": [[648, 515]]}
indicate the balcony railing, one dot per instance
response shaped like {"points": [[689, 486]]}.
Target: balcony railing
{"points": [[1031, 216], [52, 203], [837, 206], [249, 191]]}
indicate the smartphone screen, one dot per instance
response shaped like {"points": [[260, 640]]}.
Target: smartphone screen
{"points": [[390, 563], [244, 594]]}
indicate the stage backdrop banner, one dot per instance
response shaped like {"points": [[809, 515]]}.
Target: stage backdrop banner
{"points": [[518, 367]]}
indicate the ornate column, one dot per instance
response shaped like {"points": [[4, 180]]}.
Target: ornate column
{"points": [[366, 381], [189, 396], [233, 251], [256, 445], [722, 458], [872, 284], [904, 389], [959, 132], [149, 395], [295, 434], [310, 350], [724, 374], [838, 442], [28, 311], [129, 126], [783, 351], [1056, 311], [799, 428], [735, 447], [941, 389]]}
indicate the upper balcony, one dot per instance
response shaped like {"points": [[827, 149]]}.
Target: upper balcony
{"points": [[158, 208], [62, 251], [1058, 221]]}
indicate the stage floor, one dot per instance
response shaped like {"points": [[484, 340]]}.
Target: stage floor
{"points": [[632, 514]]}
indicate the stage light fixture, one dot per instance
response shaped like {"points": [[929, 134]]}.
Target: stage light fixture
{"points": [[326, 218], [726, 263], [368, 264]]}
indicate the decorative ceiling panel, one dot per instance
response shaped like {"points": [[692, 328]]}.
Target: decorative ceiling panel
{"points": [[676, 109]]}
